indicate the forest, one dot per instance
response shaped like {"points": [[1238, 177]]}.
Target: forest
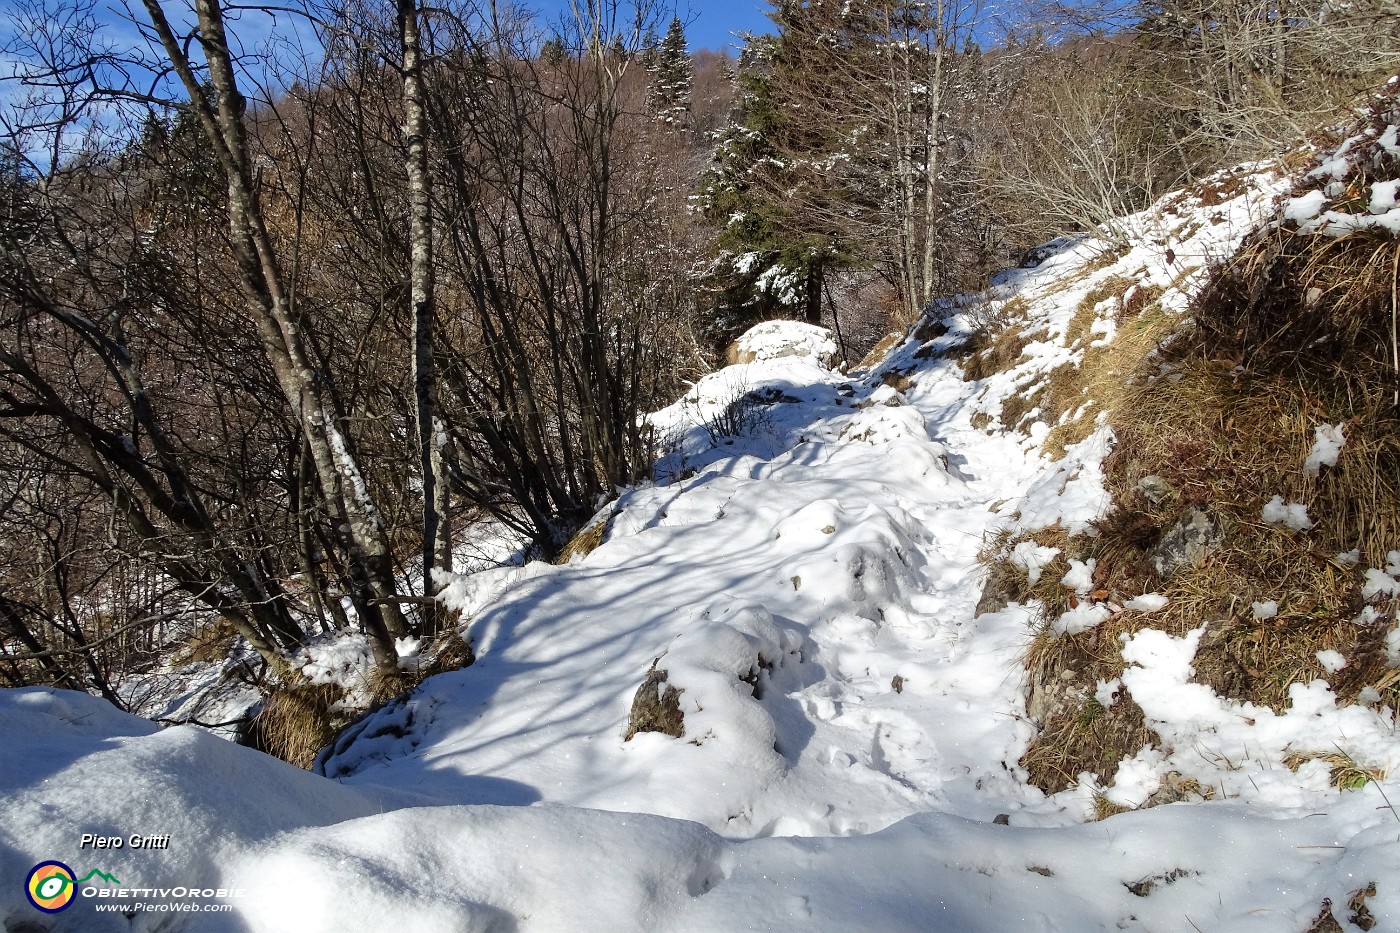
{"points": [[291, 314]]}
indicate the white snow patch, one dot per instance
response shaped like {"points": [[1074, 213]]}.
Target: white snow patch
{"points": [[1032, 558], [1292, 515], [1330, 439], [773, 340], [1147, 602], [1079, 577], [1081, 618], [1304, 208], [1331, 661]]}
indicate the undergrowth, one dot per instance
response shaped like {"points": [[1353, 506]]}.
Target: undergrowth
{"points": [[1212, 420]]}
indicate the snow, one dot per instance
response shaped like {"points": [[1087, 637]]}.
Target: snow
{"points": [[1079, 577], [1383, 582], [1032, 558], [775, 339], [1383, 196], [1331, 661], [1080, 619], [1330, 438], [1147, 602], [1292, 515], [1303, 209], [852, 728], [1340, 173]]}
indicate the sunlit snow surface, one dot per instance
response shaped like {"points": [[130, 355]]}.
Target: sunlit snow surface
{"points": [[852, 732]]}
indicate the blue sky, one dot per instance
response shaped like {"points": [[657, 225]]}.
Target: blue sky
{"points": [[709, 25]]}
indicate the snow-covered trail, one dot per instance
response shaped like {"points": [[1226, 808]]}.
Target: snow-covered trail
{"points": [[854, 548]]}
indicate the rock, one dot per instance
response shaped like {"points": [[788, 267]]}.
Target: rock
{"points": [[997, 594], [1002, 819], [1175, 788], [655, 710], [773, 340], [1189, 542], [1156, 489]]}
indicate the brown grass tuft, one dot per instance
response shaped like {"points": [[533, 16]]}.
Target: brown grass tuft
{"points": [[878, 352], [1078, 733], [209, 644], [451, 653], [1101, 382], [998, 354], [295, 723], [1345, 772], [585, 542]]}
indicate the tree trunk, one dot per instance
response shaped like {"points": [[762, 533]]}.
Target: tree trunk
{"points": [[816, 274], [343, 486], [432, 435]]}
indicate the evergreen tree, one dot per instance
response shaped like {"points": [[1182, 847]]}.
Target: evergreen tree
{"points": [[842, 154], [670, 78], [554, 52], [651, 51]]}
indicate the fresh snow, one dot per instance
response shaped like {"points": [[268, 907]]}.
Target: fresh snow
{"points": [[804, 570]]}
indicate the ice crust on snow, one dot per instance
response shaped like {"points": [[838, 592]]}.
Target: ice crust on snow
{"points": [[852, 727]]}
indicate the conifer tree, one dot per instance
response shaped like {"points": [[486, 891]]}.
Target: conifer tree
{"points": [[670, 76], [841, 154]]}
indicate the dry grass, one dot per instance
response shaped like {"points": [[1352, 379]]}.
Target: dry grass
{"points": [[1226, 441], [451, 653], [210, 644], [1104, 808], [997, 340], [297, 722], [996, 354], [1100, 383], [878, 352], [1078, 733], [901, 380], [1345, 772], [585, 542], [1016, 409]]}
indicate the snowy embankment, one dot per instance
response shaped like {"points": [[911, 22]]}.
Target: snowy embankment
{"points": [[801, 582]]}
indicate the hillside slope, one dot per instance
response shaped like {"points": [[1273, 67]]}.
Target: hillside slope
{"points": [[779, 693]]}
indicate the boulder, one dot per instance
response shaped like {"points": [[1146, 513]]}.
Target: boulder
{"points": [[1189, 542], [774, 340], [655, 709]]}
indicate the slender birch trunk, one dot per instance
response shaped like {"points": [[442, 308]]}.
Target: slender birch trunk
{"points": [[346, 493], [432, 435]]}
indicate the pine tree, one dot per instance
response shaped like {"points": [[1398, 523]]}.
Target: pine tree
{"points": [[669, 88], [651, 51], [842, 154]]}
